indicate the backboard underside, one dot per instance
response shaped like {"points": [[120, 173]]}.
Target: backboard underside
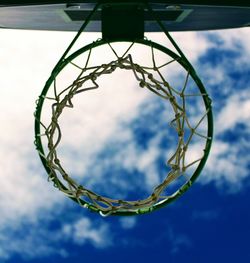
{"points": [[69, 17]]}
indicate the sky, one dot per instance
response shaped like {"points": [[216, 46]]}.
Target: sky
{"points": [[112, 151]]}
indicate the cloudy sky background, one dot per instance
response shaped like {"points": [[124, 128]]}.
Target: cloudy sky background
{"points": [[210, 222]]}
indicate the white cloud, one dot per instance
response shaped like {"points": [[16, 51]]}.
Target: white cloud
{"points": [[226, 166], [84, 231], [26, 196], [178, 240], [229, 39], [236, 111], [227, 162], [192, 44], [235, 40], [214, 75], [29, 241], [128, 222], [25, 190], [37, 239]]}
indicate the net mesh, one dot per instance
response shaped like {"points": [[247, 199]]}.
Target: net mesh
{"points": [[148, 77]]}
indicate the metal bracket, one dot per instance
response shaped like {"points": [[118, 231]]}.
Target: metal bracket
{"points": [[122, 21]]}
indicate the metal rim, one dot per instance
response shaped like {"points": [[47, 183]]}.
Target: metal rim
{"points": [[186, 65]]}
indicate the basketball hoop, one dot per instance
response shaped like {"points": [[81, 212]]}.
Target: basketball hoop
{"points": [[48, 134]]}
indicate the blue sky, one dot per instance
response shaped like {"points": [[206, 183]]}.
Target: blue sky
{"points": [[208, 223]]}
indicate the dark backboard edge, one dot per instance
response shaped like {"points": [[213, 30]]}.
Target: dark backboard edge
{"points": [[232, 3], [64, 16]]}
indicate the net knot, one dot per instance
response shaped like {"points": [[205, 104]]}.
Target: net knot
{"points": [[142, 84], [166, 84], [158, 87], [120, 63], [172, 99], [180, 133], [184, 148], [93, 76], [154, 197], [150, 76], [112, 68], [57, 161], [65, 176], [79, 191]]}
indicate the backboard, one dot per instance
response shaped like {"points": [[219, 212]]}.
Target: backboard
{"points": [[180, 16]]}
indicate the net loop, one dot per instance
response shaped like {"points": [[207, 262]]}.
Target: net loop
{"points": [[149, 78]]}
